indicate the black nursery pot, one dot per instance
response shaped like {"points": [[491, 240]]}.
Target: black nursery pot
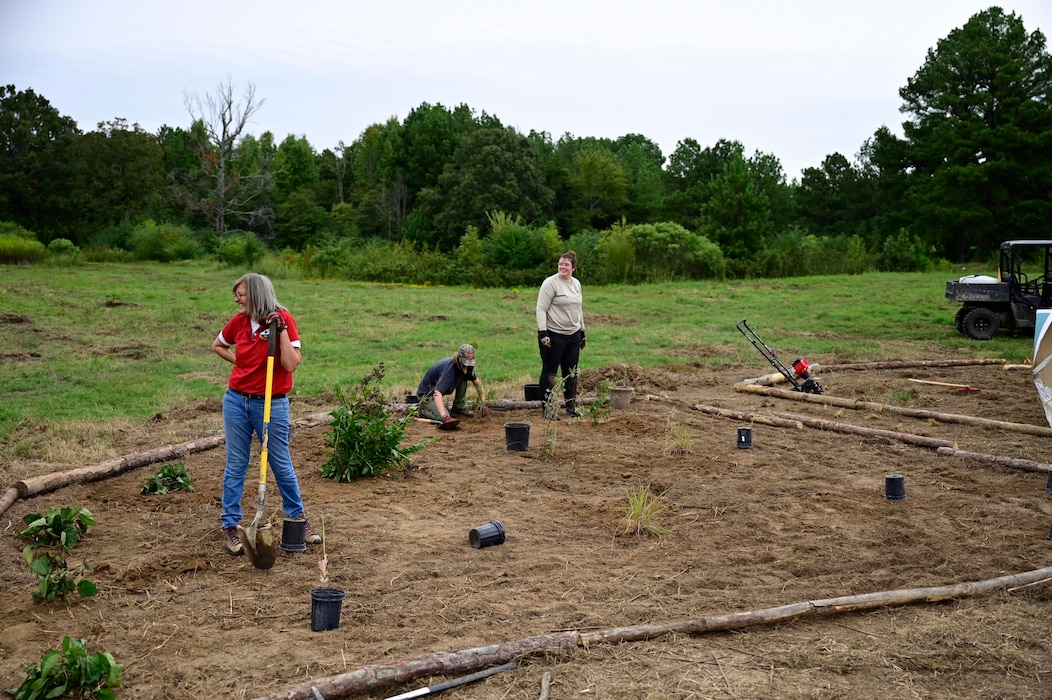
{"points": [[325, 607], [486, 535], [293, 535]]}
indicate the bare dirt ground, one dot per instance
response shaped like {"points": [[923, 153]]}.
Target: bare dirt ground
{"points": [[800, 516]]}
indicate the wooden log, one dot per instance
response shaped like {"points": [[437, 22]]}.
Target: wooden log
{"points": [[1012, 462], [746, 416], [827, 606], [1039, 430], [370, 678], [50, 482], [9, 499], [900, 364], [788, 420], [837, 427]]}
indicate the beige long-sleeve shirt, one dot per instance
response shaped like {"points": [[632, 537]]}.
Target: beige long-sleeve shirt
{"points": [[559, 306]]}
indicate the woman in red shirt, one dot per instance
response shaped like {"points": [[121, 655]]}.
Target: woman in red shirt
{"points": [[243, 343]]}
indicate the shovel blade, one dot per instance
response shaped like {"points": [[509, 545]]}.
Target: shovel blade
{"points": [[260, 544]]}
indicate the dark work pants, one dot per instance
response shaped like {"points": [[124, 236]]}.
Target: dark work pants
{"points": [[563, 355]]}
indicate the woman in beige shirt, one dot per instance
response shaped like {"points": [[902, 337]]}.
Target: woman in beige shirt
{"points": [[560, 332]]}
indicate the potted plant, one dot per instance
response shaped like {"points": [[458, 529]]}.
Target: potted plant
{"points": [[326, 603], [621, 395]]}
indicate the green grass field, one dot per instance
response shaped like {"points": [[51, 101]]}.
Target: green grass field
{"points": [[88, 345]]}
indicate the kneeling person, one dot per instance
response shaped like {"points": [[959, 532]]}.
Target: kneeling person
{"points": [[450, 376]]}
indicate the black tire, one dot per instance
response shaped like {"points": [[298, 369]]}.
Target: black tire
{"points": [[958, 320], [980, 324]]}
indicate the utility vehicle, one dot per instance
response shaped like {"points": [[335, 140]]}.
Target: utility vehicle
{"points": [[1011, 300]]}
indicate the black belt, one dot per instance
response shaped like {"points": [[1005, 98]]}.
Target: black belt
{"points": [[274, 397]]}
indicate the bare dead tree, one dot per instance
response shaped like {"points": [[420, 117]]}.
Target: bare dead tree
{"points": [[232, 180]]}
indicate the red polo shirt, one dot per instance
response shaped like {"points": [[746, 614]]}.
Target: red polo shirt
{"points": [[249, 341]]}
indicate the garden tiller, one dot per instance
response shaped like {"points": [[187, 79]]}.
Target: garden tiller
{"points": [[800, 376]]}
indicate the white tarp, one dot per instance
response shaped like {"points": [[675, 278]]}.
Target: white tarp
{"points": [[1043, 360]]}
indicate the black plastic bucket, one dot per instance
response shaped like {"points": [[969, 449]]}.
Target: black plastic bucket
{"points": [[293, 535], [532, 392], [412, 398], [325, 607], [744, 438], [517, 436], [486, 535], [895, 487]]}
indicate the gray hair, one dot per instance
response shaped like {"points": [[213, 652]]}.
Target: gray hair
{"points": [[262, 299]]}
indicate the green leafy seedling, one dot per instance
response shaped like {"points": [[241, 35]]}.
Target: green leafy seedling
{"points": [[73, 672], [170, 477], [51, 536]]}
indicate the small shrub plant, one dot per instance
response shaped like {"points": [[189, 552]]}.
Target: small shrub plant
{"points": [[599, 410], [641, 516], [170, 477], [364, 439], [73, 672], [551, 403], [51, 536]]}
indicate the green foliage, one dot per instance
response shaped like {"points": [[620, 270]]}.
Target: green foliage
{"points": [[616, 251], [51, 536], [170, 477], [62, 252], [73, 672], [16, 250], [641, 515], [979, 136], [364, 439], [793, 251], [905, 252], [514, 245], [10, 228], [164, 242], [240, 249], [666, 251], [599, 409]]}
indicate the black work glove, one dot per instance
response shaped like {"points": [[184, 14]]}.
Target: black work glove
{"points": [[543, 339], [582, 340]]}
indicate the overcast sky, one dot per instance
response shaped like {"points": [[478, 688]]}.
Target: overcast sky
{"points": [[798, 80]]}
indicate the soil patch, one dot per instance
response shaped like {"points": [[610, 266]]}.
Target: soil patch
{"points": [[799, 516]]}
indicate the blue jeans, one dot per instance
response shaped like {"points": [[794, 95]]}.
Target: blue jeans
{"points": [[241, 418]]}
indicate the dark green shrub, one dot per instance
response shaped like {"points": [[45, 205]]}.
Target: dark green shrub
{"points": [[904, 252], [240, 249], [73, 672], [364, 439], [62, 252], [666, 250], [513, 245]]}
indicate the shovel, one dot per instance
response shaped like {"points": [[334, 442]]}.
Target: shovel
{"points": [[450, 425], [259, 542]]}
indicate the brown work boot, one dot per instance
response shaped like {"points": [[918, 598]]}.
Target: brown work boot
{"points": [[309, 535], [233, 542]]}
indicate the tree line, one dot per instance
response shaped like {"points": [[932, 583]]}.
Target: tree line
{"points": [[457, 191]]}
